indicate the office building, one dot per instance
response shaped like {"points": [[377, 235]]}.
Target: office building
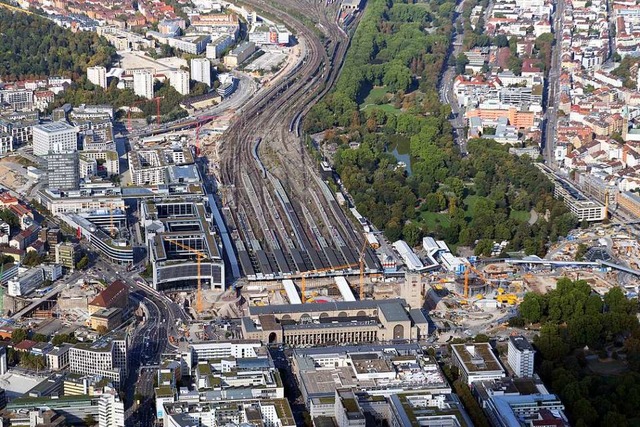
{"points": [[74, 408], [579, 205], [240, 54], [58, 357], [54, 137], [110, 410], [98, 76], [264, 412], [201, 70], [378, 369], [519, 402], [26, 282], [348, 412], [67, 254], [178, 232], [143, 82], [179, 80], [63, 170], [476, 362], [521, 356], [106, 357]]}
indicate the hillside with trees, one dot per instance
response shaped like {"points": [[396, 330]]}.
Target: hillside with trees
{"points": [[34, 47], [387, 94], [589, 351]]}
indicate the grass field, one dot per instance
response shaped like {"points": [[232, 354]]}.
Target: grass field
{"points": [[377, 93], [521, 216], [432, 219]]}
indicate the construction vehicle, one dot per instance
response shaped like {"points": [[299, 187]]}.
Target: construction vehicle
{"points": [[199, 257]]}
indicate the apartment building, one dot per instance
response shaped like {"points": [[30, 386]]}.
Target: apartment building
{"points": [[521, 356]]}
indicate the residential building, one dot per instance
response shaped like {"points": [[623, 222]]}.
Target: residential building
{"points": [[218, 46], [201, 70], [179, 80], [63, 170], [476, 362], [98, 76], [521, 356], [68, 254], [143, 82], [6, 143], [54, 137]]}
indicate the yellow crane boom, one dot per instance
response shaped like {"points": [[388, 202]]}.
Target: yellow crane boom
{"points": [[199, 257]]}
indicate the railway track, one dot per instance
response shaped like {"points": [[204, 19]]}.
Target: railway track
{"points": [[265, 169]]}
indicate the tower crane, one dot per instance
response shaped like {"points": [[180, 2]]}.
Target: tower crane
{"points": [[359, 264], [135, 104], [199, 257]]}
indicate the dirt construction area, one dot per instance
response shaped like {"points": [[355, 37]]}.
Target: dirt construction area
{"points": [[13, 175]]}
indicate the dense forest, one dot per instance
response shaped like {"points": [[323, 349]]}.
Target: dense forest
{"points": [[590, 351], [387, 94], [32, 46]]}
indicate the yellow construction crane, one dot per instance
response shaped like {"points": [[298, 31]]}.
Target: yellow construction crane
{"points": [[466, 277], [111, 228], [360, 264], [199, 257]]}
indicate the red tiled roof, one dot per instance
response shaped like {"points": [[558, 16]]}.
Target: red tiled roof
{"points": [[25, 345], [105, 298]]}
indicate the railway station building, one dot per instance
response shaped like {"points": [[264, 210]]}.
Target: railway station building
{"points": [[335, 322]]}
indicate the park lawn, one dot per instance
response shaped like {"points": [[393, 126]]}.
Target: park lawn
{"points": [[433, 219], [521, 216], [374, 93], [387, 108]]}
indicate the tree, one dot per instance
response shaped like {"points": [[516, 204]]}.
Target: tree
{"points": [[412, 233], [63, 338], [461, 63], [18, 335], [101, 329], [83, 263], [530, 308], [40, 338], [481, 338]]}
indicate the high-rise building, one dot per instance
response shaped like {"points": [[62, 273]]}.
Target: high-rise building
{"points": [[201, 70], [67, 254], [97, 76], [54, 137], [143, 82], [180, 81], [110, 410], [521, 356], [63, 170]]}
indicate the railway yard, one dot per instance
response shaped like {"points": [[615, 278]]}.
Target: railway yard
{"points": [[282, 217]]}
